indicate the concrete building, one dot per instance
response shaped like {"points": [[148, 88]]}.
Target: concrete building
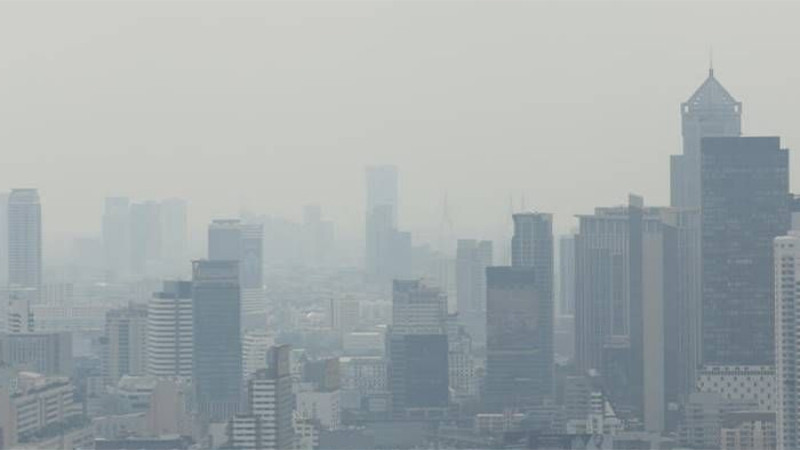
{"points": [[267, 424], [255, 348], [25, 240], [169, 331], [745, 206], [320, 406], [461, 365], [41, 413], [47, 353], [217, 343], [748, 430], [125, 343], [365, 383]]}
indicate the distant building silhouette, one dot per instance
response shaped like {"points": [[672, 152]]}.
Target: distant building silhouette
{"points": [[117, 237], [25, 241], [472, 259]]}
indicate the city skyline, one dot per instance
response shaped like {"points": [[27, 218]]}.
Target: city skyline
{"points": [[619, 154]]}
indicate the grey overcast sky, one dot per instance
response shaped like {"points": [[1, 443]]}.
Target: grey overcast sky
{"points": [[272, 105]]}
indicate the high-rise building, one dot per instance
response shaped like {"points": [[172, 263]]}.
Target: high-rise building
{"points": [[174, 233], [472, 259], [267, 424], [566, 275], [787, 339], [145, 240], [25, 240], [251, 260], [626, 271], [117, 236], [382, 190], [225, 240], [418, 350], [45, 353], [4, 238], [169, 331], [418, 308], [710, 111], [518, 364], [125, 343], [532, 246], [216, 332], [318, 237], [231, 240], [745, 206], [388, 250]]}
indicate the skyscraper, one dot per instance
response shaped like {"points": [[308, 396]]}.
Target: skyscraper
{"points": [[217, 344], [251, 262], [787, 339], [117, 236], [710, 111], [388, 251], [145, 241], [566, 275], [231, 240], [472, 259], [745, 205], [4, 238], [532, 246], [518, 366], [626, 270], [225, 240], [169, 331], [25, 240], [418, 350], [174, 235]]}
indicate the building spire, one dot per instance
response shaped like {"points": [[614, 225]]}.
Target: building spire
{"points": [[711, 61]]}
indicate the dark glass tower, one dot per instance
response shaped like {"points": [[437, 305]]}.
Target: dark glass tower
{"points": [[745, 205], [217, 349]]}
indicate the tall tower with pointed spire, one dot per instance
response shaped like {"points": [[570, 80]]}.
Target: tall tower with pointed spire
{"points": [[710, 112]]}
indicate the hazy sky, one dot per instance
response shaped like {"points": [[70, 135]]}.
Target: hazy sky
{"points": [[276, 104]]}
